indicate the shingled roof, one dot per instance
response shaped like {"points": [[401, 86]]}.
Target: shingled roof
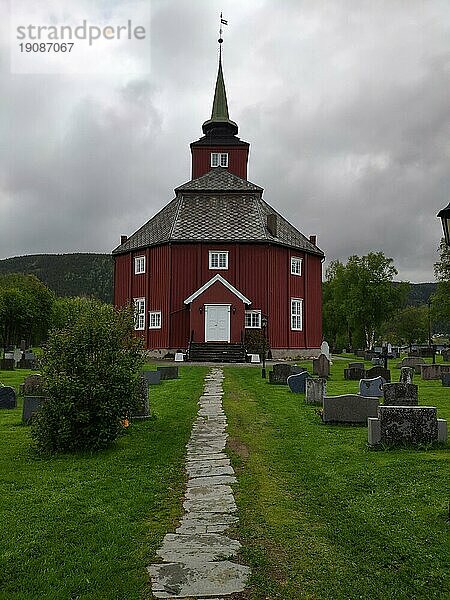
{"points": [[217, 207]]}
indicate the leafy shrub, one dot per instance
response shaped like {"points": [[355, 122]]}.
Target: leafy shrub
{"points": [[255, 342], [91, 369]]}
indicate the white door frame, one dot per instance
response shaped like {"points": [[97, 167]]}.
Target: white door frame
{"points": [[228, 307]]}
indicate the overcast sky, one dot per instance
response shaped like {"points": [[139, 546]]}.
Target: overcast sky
{"points": [[346, 104]]}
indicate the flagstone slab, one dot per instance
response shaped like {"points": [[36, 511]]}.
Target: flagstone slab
{"points": [[194, 556], [175, 580], [214, 480], [224, 504]]}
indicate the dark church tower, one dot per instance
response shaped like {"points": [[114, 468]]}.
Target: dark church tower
{"points": [[220, 146]]}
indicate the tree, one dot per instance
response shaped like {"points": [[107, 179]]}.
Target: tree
{"points": [[441, 298], [25, 309], [408, 326], [91, 369], [360, 295]]}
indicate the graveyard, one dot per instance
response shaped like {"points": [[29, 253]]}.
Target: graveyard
{"points": [[321, 514]]}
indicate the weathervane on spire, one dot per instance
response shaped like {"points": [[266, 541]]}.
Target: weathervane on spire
{"points": [[222, 22]]}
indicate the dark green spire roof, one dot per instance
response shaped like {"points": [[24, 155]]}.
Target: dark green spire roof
{"points": [[219, 114]]}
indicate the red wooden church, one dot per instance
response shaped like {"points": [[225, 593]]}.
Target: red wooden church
{"points": [[218, 261]]}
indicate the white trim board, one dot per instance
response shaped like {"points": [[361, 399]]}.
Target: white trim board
{"points": [[224, 282]]}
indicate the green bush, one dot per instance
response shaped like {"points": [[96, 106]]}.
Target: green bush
{"points": [[91, 370]]}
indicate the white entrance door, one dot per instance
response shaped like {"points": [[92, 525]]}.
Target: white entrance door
{"points": [[217, 323]]}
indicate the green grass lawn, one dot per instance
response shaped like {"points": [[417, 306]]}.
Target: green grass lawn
{"points": [[85, 526], [322, 516]]}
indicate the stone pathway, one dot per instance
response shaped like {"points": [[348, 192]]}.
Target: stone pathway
{"points": [[196, 557]]}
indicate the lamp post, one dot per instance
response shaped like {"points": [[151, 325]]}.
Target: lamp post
{"points": [[444, 215], [264, 344]]}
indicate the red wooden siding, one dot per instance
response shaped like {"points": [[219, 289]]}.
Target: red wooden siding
{"points": [[259, 271], [237, 159]]}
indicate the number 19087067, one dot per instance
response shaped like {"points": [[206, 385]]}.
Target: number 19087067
{"points": [[46, 47]]}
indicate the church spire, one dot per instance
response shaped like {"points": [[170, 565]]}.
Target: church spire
{"points": [[220, 122]]}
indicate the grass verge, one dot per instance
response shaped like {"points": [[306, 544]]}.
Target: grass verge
{"points": [[322, 516], [84, 526]]}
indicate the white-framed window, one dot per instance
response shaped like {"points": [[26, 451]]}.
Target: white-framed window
{"points": [[219, 159], [296, 314], [139, 265], [154, 319], [253, 319], [218, 259], [139, 314], [296, 265]]}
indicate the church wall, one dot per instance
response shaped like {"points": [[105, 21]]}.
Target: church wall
{"points": [[237, 159]]}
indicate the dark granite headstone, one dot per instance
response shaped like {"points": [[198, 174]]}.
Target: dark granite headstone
{"points": [[321, 366], [168, 373], [348, 408], [31, 405], [446, 379], [297, 382], [446, 355], [379, 372], [281, 371], [400, 394], [407, 375], [429, 372], [356, 365], [7, 397], [371, 388], [360, 353], [152, 377], [354, 374], [377, 361], [408, 425]]}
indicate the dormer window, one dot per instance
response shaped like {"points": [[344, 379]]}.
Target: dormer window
{"points": [[219, 159]]}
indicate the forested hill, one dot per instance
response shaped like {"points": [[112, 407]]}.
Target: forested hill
{"points": [[67, 274], [92, 275]]}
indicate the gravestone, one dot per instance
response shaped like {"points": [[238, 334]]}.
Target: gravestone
{"points": [[406, 425], [7, 397], [281, 371], [377, 362], [356, 365], [321, 366], [400, 394], [32, 385], [316, 389], [168, 373], [31, 405], [349, 408], [430, 372], [353, 374], [407, 375], [143, 411], [297, 382], [371, 388], [413, 361], [446, 379], [445, 355], [325, 349], [152, 377], [369, 355], [379, 372], [360, 353]]}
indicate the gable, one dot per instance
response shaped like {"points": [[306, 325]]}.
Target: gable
{"points": [[214, 280]]}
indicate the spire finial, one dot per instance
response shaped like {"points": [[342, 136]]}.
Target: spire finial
{"points": [[220, 40]]}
